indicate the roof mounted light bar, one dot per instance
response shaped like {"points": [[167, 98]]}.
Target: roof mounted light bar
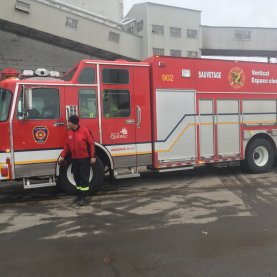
{"points": [[40, 72]]}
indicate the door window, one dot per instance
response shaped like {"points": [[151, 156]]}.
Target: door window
{"points": [[87, 103], [116, 103], [115, 76], [45, 104]]}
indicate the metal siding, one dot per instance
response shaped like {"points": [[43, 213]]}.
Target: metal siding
{"points": [[228, 127], [145, 159], [206, 120], [125, 161], [259, 112], [40, 169], [36, 163]]}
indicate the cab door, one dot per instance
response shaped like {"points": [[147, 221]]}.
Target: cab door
{"points": [[118, 115], [39, 135], [81, 98]]}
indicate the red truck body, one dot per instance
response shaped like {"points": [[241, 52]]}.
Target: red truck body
{"points": [[164, 114]]}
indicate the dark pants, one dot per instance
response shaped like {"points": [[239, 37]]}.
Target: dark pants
{"points": [[81, 171]]}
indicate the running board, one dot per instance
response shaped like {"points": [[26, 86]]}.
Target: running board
{"points": [[28, 185], [176, 169], [126, 173], [124, 176]]}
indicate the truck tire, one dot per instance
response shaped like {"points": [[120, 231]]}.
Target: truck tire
{"points": [[259, 156], [68, 185]]}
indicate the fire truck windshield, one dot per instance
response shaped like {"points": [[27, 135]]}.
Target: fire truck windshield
{"points": [[5, 102]]}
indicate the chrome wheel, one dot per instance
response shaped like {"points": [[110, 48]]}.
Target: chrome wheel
{"points": [[260, 156]]}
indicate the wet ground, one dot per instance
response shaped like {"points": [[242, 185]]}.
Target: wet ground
{"points": [[205, 222]]}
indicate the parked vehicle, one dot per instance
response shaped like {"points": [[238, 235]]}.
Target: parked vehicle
{"points": [[164, 113]]}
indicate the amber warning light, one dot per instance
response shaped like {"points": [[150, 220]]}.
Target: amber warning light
{"points": [[4, 171]]}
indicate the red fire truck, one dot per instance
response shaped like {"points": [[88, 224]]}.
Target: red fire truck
{"points": [[162, 114]]}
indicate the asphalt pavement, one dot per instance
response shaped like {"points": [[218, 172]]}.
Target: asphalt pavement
{"points": [[205, 222]]}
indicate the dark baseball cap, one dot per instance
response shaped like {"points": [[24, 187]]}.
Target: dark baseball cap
{"points": [[74, 119]]}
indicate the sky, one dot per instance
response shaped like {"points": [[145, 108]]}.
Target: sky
{"points": [[236, 13]]}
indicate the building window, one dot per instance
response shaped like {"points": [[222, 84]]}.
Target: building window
{"points": [[22, 6], [71, 22], [175, 53], [114, 37], [192, 54], [158, 51], [158, 29], [192, 33], [130, 29], [175, 32], [140, 26], [242, 35]]}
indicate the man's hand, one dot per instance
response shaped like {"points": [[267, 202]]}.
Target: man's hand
{"points": [[61, 161], [92, 160]]}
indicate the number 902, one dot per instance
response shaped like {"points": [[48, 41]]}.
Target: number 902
{"points": [[167, 78]]}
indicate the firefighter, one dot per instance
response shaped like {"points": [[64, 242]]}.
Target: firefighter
{"points": [[80, 146]]}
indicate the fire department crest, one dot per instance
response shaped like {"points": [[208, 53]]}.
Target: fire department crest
{"points": [[40, 134], [236, 77]]}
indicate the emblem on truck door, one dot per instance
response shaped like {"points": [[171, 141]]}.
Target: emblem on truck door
{"points": [[40, 134]]}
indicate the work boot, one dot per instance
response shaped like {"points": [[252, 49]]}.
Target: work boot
{"points": [[77, 198], [82, 201]]}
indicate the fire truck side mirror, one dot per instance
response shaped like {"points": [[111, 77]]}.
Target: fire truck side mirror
{"points": [[27, 101]]}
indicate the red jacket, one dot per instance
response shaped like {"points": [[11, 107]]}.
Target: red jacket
{"points": [[77, 144]]}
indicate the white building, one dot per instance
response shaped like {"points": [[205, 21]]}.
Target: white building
{"points": [[167, 30], [58, 33]]}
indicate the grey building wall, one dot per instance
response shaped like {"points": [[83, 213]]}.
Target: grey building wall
{"points": [[140, 27], [112, 9], [23, 53], [65, 37], [239, 41]]}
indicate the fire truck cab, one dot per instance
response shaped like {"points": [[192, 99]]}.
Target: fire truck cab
{"points": [[111, 99], [164, 114]]}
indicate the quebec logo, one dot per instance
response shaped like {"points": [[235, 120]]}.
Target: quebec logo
{"points": [[124, 131], [40, 134], [123, 134]]}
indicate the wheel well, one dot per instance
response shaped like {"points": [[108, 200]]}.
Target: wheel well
{"points": [[262, 136], [103, 155]]}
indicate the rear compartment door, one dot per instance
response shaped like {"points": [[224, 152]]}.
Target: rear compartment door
{"points": [[175, 125], [228, 128], [206, 129]]}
